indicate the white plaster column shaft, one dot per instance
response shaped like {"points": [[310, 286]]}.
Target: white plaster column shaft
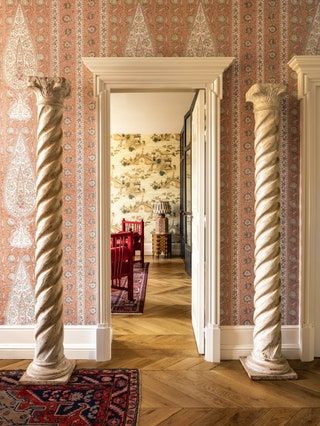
{"points": [[49, 364], [266, 360]]}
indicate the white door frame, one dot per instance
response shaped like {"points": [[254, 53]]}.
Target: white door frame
{"points": [[198, 170], [154, 73]]}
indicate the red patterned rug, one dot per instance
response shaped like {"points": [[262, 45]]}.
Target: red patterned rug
{"points": [[119, 298], [92, 397]]}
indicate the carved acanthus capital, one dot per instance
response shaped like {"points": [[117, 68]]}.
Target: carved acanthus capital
{"points": [[265, 95], [50, 90]]}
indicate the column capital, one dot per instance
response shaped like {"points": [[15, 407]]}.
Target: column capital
{"points": [[50, 90], [265, 95]]}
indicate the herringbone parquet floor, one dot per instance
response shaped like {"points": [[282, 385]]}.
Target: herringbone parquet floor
{"points": [[178, 386]]}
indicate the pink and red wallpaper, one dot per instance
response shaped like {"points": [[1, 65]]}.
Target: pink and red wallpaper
{"points": [[47, 37]]}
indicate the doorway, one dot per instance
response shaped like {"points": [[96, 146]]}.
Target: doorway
{"points": [[145, 161], [145, 174], [116, 74]]}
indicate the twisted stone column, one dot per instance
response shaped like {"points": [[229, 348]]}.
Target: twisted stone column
{"points": [[266, 360], [49, 364]]}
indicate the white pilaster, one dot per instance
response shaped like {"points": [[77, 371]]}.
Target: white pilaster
{"points": [[308, 71]]}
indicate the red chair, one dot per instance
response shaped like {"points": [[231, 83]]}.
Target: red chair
{"points": [[122, 262], [138, 235]]}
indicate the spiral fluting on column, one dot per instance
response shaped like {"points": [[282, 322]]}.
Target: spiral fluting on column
{"points": [[49, 361], [266, 355]]}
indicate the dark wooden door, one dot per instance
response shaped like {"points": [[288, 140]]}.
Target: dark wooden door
{"points": [[185, 193]]}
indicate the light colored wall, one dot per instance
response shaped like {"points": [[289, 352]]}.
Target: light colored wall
{"points": [[145, 169]]}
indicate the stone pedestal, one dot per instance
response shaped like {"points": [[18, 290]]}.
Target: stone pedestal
{"points": [[49, 364], [266, 361]]}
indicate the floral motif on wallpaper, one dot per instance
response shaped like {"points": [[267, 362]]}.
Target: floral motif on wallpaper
{"points": [[20, 59], [48, 37], [144, 169]]}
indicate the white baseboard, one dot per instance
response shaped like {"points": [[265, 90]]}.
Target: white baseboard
{"points": [[94, 342], [236, 341], [17, 342], [307, 341], [103, 343], [212, 343], [310, 341], [175, 249]]}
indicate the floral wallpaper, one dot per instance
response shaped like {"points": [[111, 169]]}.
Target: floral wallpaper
{"points": [[47, 37], [145, 169]]}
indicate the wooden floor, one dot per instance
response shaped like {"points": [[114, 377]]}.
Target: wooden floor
{"points": [[178, 386]]}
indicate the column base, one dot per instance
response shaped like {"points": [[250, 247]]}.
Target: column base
{"points": [[50, 376], [289, 374]]}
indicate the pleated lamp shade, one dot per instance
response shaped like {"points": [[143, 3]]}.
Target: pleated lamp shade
{"points": [[161, 207]]}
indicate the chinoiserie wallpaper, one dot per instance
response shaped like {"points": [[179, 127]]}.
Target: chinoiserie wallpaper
{"points": [[145, 169], [47, 37]]}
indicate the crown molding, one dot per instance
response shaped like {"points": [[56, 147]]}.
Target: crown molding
{"points": [[307, 68], [158, 72]]}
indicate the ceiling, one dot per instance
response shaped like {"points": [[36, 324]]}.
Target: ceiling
{"points": [[147, 113]]}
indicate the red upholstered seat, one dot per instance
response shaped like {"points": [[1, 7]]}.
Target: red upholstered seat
{"points": [[138, 235]]}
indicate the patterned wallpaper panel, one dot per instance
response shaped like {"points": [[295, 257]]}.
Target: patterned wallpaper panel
{"points": [[145, 169], [47, 37]]}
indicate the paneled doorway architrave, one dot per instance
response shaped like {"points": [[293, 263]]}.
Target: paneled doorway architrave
{"points": [[159, 74]]}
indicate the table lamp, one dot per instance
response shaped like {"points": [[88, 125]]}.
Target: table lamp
{"points": [[161, 208]]}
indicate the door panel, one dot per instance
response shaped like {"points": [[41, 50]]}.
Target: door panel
{"points": [[198, 219], [182, 191], [186, 192]]}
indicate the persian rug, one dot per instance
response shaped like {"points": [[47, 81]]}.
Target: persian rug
{"points": [[92, 397], [119, 298]]}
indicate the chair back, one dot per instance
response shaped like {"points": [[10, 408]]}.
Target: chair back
{"points": [[122, 261], [133, 226], [137, 229], [122, 239]]}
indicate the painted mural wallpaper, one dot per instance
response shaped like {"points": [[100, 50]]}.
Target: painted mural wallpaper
{"points": [[47, 37], [145, 169]]}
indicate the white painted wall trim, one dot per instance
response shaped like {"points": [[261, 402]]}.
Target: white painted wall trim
{"points": [[80, 342], [154, 73], [212, 334], [212, 222], [237, 341], [17, 342], [308, 70]]}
